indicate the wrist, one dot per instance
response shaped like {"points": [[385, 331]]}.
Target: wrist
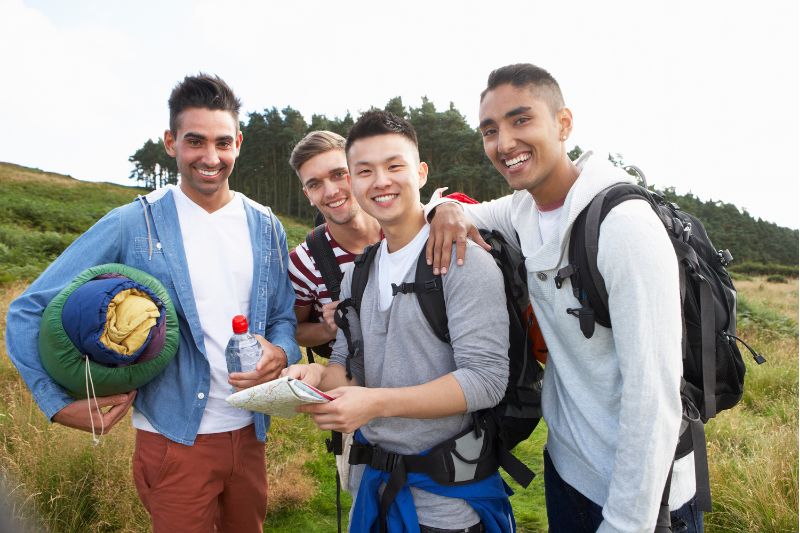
{"points": [[318, 370], [381, 402], [285, 356], [432, 206]]}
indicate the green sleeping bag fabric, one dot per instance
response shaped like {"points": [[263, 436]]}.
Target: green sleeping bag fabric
{"points": [[66, 364]]}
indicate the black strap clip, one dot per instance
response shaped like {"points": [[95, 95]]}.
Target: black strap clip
{"points": [[564, 273], [725, 257], [585, 316]]}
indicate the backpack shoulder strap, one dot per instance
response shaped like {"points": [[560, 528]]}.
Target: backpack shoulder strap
{"points": [[361, 269], [325, 259], [430, 296], [587, 282], [355, 344]]}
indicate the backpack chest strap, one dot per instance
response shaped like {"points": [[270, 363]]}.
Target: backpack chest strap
{"points": [[407, 287]]}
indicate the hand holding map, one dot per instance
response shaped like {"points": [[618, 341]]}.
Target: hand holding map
{"points": [[278, 397]]}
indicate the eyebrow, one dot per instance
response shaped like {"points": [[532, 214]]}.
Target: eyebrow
{"points": [[335, 171], [193, 135], [386, 160], [514, 112], [518, 111]]}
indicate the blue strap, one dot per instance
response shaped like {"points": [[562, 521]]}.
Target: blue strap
{"points": [[488, 498]]}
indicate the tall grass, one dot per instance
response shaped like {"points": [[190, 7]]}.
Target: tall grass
{"points": [[753, 449], [70, 485]]}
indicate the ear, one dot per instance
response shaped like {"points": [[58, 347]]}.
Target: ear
{"points": [[307, 196], [564, 118], [169, 143], [239, 139], [423, 173]]}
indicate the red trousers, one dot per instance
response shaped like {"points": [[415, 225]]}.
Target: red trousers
{"points": [[218, 484]]}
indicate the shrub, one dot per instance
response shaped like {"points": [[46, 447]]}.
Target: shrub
{"points": [[777, 278], [760, 269]]}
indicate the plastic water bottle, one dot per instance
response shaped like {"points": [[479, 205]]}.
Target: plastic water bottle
{"points": [[243, 350]]}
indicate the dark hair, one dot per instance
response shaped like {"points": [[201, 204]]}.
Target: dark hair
{"points": [[522, 74], [313, 144], [378, 122], [205, 92]]}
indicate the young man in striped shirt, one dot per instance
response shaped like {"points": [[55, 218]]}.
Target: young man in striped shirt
{"points": [[320, 163]]}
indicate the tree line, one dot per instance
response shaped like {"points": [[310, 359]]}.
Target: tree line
{"points": [[454, 153]]}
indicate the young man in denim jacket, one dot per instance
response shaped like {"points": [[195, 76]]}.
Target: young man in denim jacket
{"points": [[198, 462]]}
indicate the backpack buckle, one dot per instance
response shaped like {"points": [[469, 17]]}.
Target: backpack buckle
{"points": [[384, 460], [403, 288]]}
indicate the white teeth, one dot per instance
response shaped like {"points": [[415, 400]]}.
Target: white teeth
{"points": [[517, 160], [334, 205], [384, 198], [212, 172]]}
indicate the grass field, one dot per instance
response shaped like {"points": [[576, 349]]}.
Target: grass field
{"points": [[60, 482]]}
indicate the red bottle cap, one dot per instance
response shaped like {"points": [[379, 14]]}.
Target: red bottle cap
{"points": [[239, 324]]}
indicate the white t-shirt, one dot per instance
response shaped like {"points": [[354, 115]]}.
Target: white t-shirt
{"points": [[548, 222], [219, 256], [392, 267]]}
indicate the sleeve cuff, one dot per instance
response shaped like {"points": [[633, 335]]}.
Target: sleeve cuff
{"points": [[291, 350], [436, 200], [52, 400]]}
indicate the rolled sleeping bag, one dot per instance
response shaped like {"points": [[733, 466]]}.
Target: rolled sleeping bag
{"points": [[116, 319]]}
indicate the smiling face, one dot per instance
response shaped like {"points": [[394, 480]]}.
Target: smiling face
{"points": [[205, 147], [524, 138], [326, 184], [386, 176]]}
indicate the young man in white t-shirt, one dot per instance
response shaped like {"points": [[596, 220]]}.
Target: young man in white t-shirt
{"points": [[198, 464]]}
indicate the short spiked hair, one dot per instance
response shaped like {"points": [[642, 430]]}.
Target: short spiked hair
{"points": [[526, 74], [203, 91], [379, 122]]}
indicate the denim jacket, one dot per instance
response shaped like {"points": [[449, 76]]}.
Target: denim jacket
{"points": [[145, 234]]}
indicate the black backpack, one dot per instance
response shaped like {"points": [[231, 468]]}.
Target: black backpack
{"points": [[713, 369], [328, 267], [518, 413]]}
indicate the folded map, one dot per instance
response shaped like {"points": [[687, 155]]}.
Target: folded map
{"points": [[278, 397]]}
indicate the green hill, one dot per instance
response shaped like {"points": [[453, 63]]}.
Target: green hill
{"points": [[41, 213]]}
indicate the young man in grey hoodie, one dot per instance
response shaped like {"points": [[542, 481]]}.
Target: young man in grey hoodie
{"points": [[611, 402]]}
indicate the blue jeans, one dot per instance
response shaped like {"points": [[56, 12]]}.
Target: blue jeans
{"points": [[570, 511]]}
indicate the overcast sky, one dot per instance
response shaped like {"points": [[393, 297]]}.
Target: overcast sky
{"points": [[702, 95]]}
